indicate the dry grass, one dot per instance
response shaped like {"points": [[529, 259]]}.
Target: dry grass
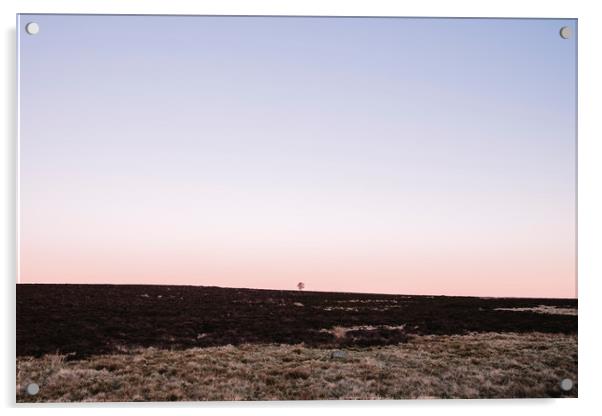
{"points": [[352, 308], [340, 332], [467, 366], [551, 310], [341, 308]]}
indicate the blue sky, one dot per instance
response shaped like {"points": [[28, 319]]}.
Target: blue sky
{"points": [[392, 155]]}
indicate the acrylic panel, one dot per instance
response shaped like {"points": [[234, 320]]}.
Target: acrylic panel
{"points": [[295, 208]]}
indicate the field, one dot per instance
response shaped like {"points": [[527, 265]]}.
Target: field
{"points": [[165, 343]]}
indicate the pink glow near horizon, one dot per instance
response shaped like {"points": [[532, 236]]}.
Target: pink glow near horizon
{"points": [[329, 250]]}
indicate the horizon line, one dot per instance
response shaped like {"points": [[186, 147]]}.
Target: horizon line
{"points": [[296, 290]]}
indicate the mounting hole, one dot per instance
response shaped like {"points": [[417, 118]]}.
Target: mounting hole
{"points": [[32, 389], [566, 384], [565, 32], [32, 28]]}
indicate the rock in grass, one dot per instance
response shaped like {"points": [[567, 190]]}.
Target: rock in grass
{"points": [[338, 355]]}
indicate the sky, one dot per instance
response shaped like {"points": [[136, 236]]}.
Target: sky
{"points": [[382, 155]]}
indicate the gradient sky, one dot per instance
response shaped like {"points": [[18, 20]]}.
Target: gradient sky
{"points": [[393, 155]]}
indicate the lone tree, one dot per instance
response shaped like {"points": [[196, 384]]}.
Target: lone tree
{"points": [[300, 285]]}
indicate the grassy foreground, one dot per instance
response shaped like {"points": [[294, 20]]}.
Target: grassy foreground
{"points": [[485, 365]]}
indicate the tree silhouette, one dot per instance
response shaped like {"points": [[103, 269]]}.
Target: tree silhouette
{"points": [[300, 285]]}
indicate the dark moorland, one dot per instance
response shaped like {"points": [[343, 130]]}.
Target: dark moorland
{"points": [[82, 320]]}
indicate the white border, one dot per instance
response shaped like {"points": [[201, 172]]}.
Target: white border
{"points": [[589, 209], [18, 155]]}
